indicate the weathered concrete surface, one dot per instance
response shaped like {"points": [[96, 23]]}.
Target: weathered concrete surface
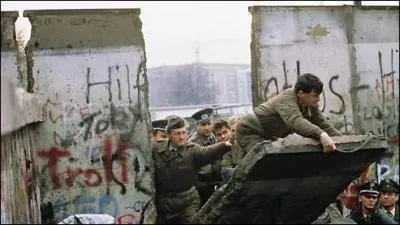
{"points": [[19, 108], [20, 196], [20, 199], [8, 98], [89, 67], [355, 52], [289, 181], [23, 108]]}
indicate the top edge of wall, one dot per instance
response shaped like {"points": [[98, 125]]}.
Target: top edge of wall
{"points": [[11, 14], [293, 7], [61, 12]]}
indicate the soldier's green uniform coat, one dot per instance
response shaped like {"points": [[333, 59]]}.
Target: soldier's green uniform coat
{"points": [[175, 173], [280, 117], [202, 139], [210, 174]]}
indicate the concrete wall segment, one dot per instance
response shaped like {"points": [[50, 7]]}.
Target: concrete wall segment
{"points": [[354, 50], [89, 68], [87, 28]]}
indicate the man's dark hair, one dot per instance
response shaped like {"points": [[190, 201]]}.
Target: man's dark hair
{"points": [[308, 83], [220, 123]]}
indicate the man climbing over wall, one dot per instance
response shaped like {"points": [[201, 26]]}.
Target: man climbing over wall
{"points": [[293, 110]]}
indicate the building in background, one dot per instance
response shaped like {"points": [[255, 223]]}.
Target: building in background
{"points": [[199, 84]]}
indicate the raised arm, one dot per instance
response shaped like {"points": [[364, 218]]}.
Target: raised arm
{"points": [[204, 155]]}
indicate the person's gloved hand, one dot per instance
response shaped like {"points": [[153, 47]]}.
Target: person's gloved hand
{"points": [[327, 142]]}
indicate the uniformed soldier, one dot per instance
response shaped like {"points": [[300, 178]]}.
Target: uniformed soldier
{"points": [[209, 177], [368, 211], [293, 110], [388, 199], [159, 130], [230, 160], [204, 127], [177, 162]]}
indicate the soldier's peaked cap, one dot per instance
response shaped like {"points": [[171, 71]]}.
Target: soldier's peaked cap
{"points": [[203, 115], [389, 185], [369, 188], [159, 125]]}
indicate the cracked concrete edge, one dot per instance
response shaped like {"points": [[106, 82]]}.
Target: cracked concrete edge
{"points": [[18, 108]]}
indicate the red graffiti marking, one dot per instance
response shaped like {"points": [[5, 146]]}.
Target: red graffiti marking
{"points": [[92, 177], [88, 173], [349, 195], [121, 152], [53, 156], [130, 218], [108, 159], [393, 141]]}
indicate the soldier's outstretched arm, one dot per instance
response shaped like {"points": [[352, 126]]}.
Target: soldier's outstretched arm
{"points": [[204, 155]]}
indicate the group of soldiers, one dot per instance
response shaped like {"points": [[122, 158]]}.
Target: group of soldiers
{"points": [[377, 204], [190, 166], [214, 157]]}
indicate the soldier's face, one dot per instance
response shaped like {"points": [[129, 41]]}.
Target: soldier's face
{"points": [[160, 136], [368, 201], [178, 137], [205, 128], [309, 99], [223, 134], [388, 199]]}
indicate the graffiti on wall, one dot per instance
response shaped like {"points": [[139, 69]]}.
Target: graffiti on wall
{"points": [[99, 146], [271, 87], [378, 117]]}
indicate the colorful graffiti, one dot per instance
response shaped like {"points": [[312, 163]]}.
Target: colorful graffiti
{"points": [[92, 176], [97, 161]]}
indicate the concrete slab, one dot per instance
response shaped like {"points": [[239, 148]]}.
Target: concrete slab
{"points": [[283, 182]]}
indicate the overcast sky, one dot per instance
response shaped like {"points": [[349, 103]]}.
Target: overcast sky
{"points": [[172, 30]]}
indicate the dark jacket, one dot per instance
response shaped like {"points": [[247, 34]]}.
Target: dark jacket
{"points": [[378, 216], [202, 139], [209, 175], [396, 213], [177, 199], [176, 172]]}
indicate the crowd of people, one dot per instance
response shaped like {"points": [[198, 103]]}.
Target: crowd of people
{"points": [[190, 166], [377, 204]]}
